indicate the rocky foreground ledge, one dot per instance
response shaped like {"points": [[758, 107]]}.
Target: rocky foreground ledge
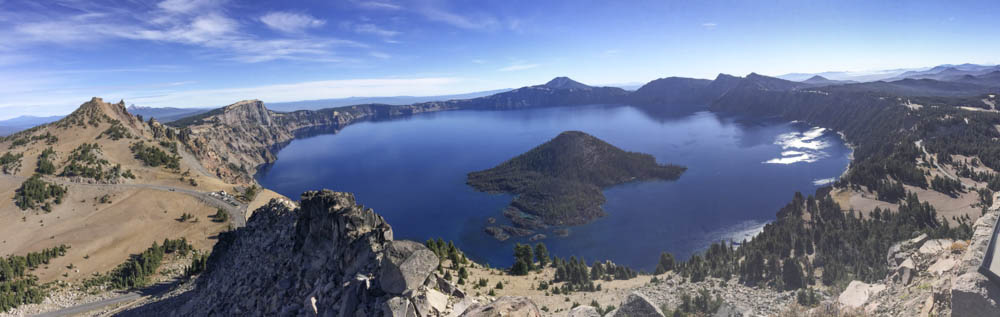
{"points": [[330, 257], [972, 294]]}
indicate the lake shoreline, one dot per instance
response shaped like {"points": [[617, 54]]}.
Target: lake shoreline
{"points": [[433, 200]]}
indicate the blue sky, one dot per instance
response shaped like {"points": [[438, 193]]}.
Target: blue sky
{"points": [[55, 55]]}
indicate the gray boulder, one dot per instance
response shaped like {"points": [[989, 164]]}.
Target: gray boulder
{"points": [[461, 306], [398, 307], [637, 304], [406, 266], [974, 295], [430, 302], [507, 306], [584, 311]]}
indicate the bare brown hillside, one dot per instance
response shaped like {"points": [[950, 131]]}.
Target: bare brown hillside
{"points": [[116, 203]]}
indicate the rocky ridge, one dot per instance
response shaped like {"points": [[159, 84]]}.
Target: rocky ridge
{"points": [[931, 277], [234, 140], [329, 257]]}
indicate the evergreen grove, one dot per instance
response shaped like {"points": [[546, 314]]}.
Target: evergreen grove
{"points": [[17, 285], [35, 192]]}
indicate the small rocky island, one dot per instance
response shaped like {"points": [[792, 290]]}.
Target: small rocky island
{"points": [[559, 183]]}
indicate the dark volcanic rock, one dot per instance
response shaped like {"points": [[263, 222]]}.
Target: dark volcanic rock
{"points": [[523, 219], [559, 182], [517, 232], [497, 233], [331, 257], [537, 237]]}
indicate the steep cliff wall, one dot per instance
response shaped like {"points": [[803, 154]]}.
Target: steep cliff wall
{"points": [[234, 140]]}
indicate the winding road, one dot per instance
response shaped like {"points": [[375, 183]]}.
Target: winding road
{"points": [[129, 297], [920, 144], [237, 217], [83, 308]]}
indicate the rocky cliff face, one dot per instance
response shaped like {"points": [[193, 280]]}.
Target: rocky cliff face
{"points": [[672, 90], [972, 294], [234, 140], [931, 277], [330, 257]]}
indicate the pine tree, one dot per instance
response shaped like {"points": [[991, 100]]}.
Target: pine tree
{"points": [[792, 274], [541, 254]]}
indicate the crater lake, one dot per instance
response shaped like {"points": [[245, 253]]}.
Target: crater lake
{"points": [[413, 170]]}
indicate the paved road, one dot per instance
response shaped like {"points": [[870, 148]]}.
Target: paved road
{"points": [[79, 309], [153, 290], [237, 214], [939, 168], [236, 217]]}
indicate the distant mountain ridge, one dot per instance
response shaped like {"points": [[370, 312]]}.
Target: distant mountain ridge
{"points": [[823, 81], [392, 100], [166, 114], [947, 72], [939, 72], [13, 125], [565, 83]]}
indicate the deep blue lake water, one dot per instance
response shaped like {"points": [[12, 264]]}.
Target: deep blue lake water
{"points": [[412, 171]]}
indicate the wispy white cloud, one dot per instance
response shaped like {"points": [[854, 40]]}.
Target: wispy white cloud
{"points": [[198, 23], [709, 25], [380, 55], [368, 28], [517, 67], [187, 6], [458, 20], [438, 11], [304, 91], [382, 5], [289, 22]]}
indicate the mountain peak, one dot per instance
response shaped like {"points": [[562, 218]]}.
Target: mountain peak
{"points": [[246, 112], [725, 76], [243, 104], [96, 108], [817, 78], [565, 83], [771, 83]]}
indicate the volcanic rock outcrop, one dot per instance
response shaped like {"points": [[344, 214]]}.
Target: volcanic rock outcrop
{"points": [[330, 257]]}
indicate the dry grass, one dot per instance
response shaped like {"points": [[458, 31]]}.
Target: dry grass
{"points": [[106, 234], [958, 246], [612, 293]]}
